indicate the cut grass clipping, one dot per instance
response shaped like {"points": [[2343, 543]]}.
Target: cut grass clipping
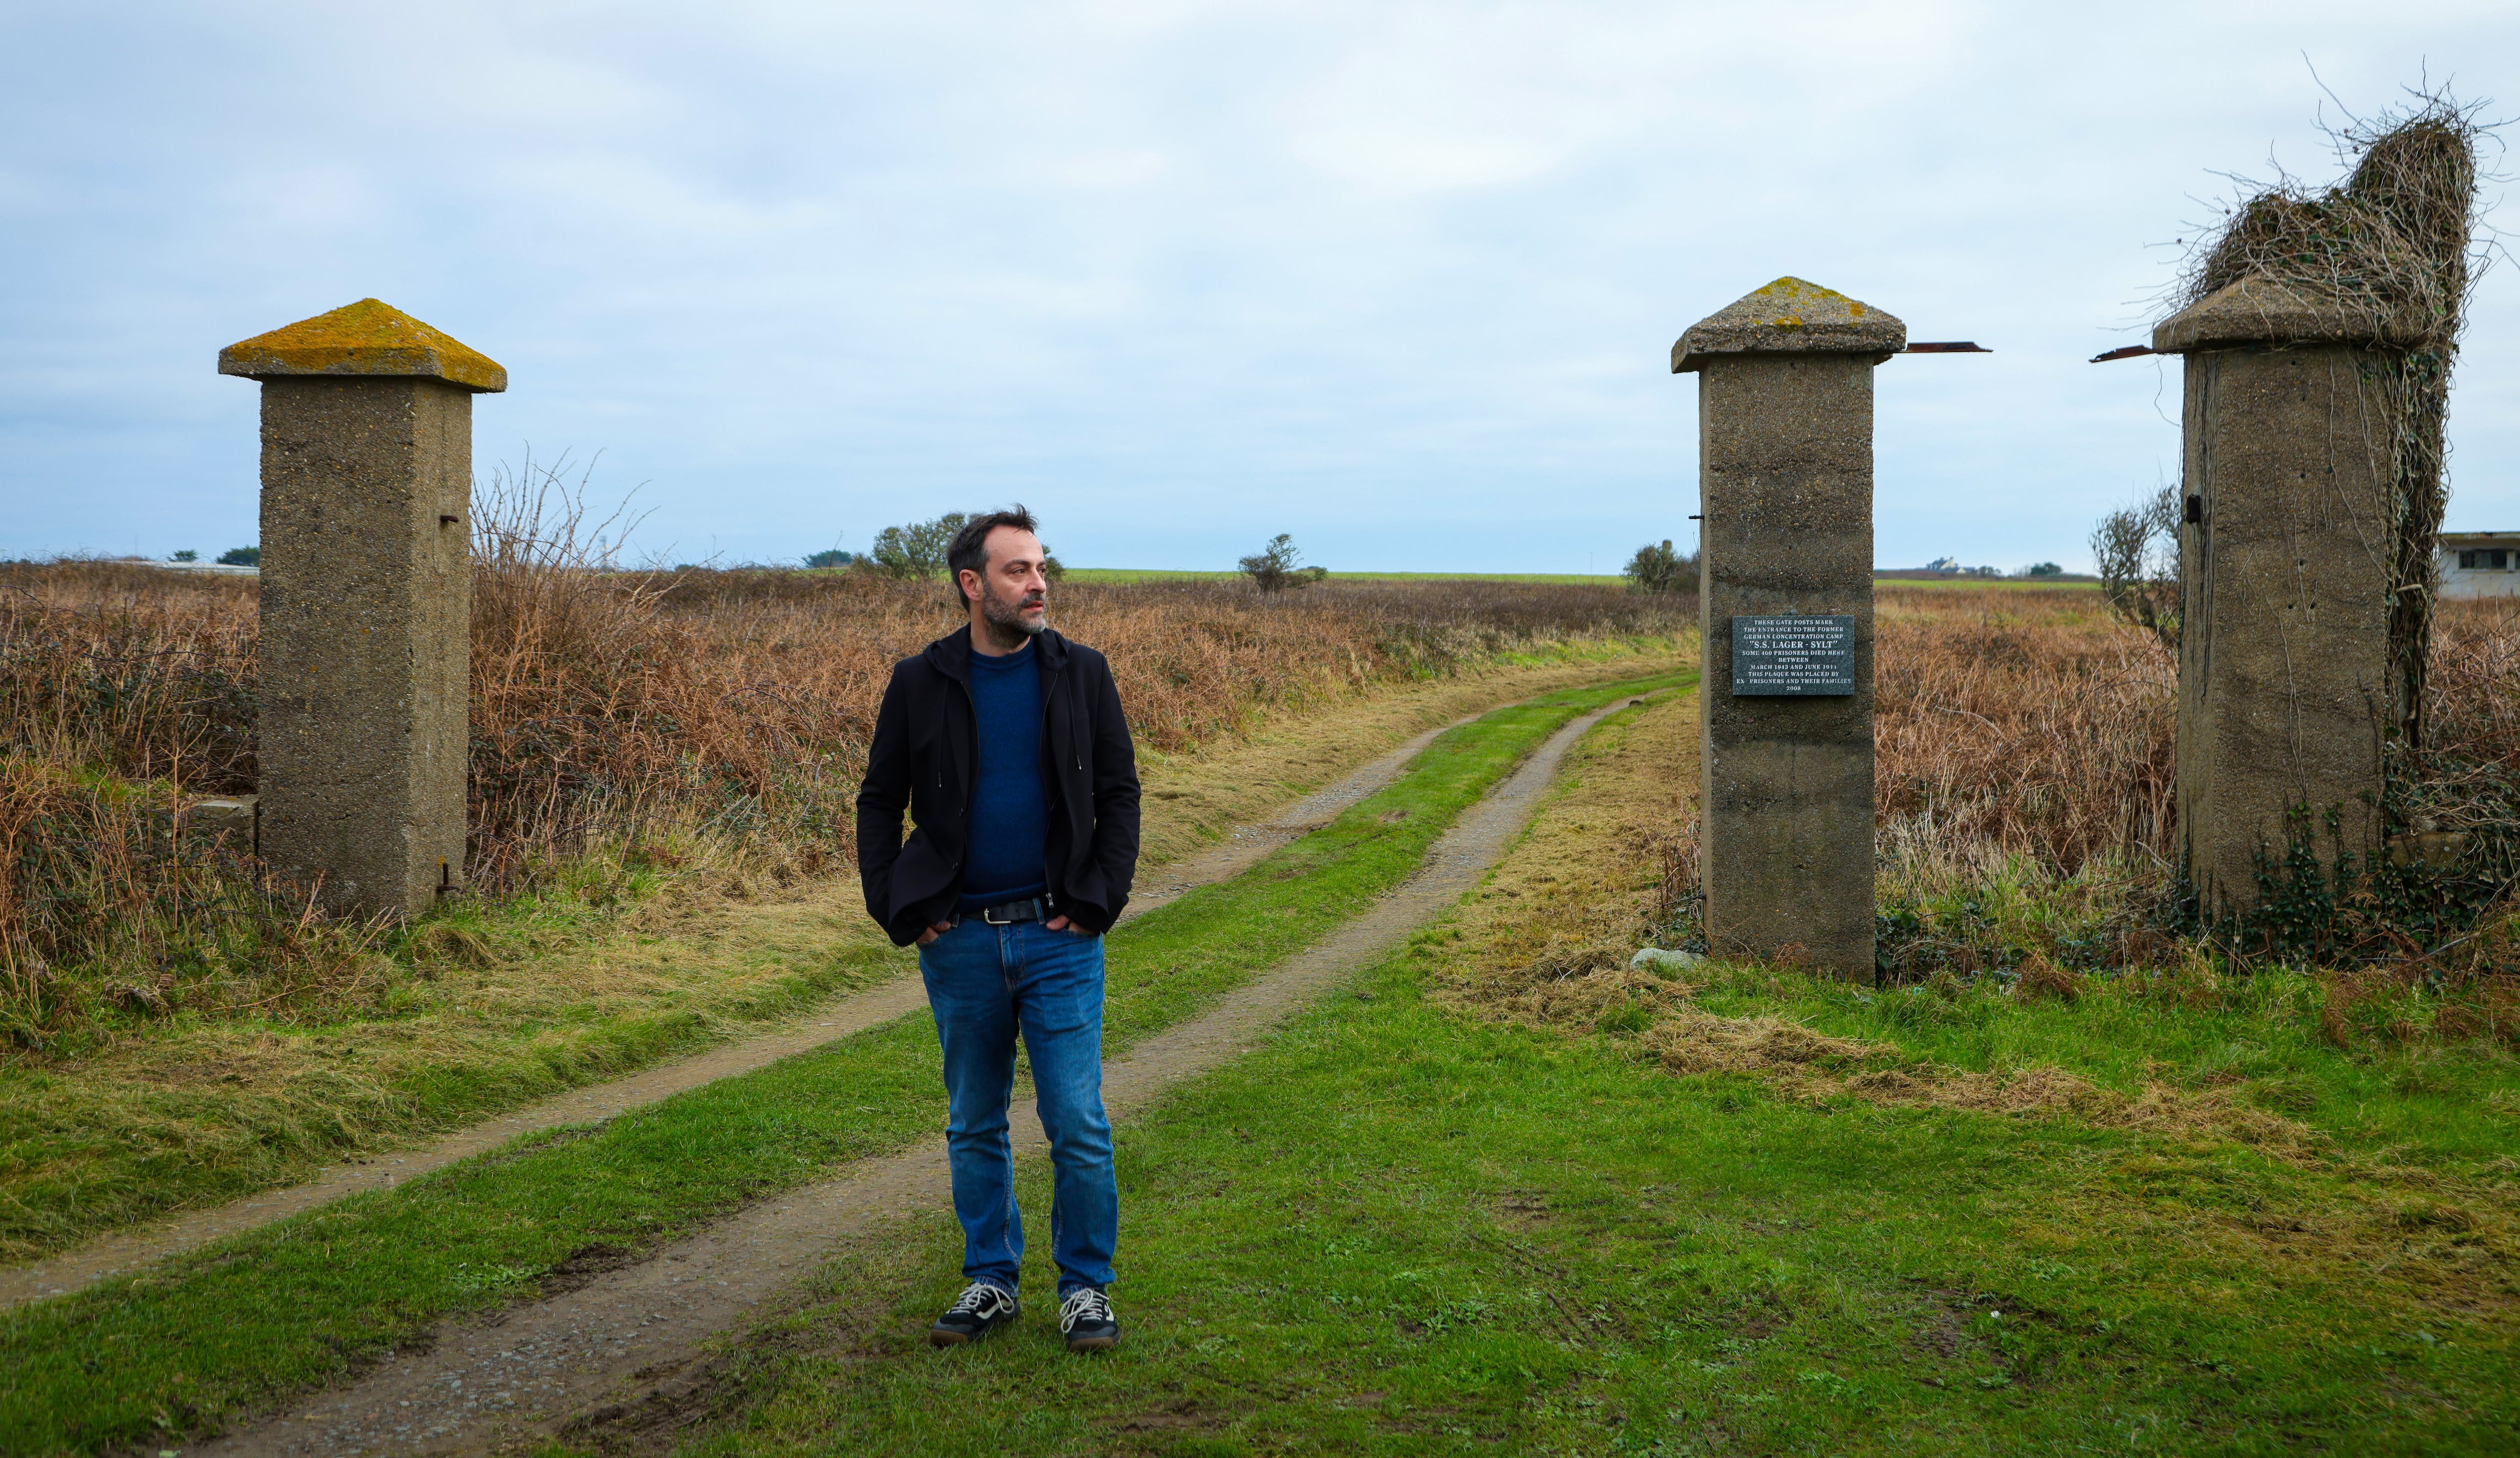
{"points": [[207, 1339], [1505, 1221]]}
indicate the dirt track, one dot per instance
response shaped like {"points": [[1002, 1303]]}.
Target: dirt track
{"points": [[128, 1251], [630, 1332]]}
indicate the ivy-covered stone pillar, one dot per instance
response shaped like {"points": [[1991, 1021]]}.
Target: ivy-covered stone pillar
{"points": [[2288, 550]]}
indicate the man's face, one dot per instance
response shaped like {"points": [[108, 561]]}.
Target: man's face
{"points": [[1013, 592]]}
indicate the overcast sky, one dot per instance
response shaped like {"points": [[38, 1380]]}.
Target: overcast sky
{"points": [[1401, 280]]}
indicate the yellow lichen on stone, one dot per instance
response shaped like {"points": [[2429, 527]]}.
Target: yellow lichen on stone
{"points": [[1790, 316], [367, 338], [1790, 287]]}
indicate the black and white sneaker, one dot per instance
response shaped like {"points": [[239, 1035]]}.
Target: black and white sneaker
{"points": [[1085, 1315], [982, 1308]]}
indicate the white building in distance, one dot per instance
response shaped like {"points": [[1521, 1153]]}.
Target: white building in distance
{"points": [[2480, 564]]}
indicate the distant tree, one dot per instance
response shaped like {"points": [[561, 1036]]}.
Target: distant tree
{"points": [[916, 549], [1279, 566], [1981, 571], [1659, 568], [2043, 570], [2137, 553], [240, 557], [187, 555], [829, 556]]}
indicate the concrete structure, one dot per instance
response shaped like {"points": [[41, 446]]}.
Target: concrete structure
{"points": [[2480, 564], [367, 595], [1785, 480], [2285, 555]]}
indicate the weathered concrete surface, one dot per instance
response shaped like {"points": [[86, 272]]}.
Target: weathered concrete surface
{"points": [[2283, 696], [1790, 316], [367, 592], [2257, 310], [1786, 481]]}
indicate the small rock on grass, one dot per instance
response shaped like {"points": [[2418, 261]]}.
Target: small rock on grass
{"points": [[1663, 964]]}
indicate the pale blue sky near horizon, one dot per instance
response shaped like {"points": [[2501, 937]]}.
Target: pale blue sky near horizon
{"points": [[1398, 279]]}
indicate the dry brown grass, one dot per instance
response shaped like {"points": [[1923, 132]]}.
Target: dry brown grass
{"points": [[1546, 940], [658, 717], [2017, 724], [746, 699], [2026, 781]]}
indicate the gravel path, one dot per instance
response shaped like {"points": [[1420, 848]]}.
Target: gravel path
{"points": [[130, 1249], [631, 1332]]}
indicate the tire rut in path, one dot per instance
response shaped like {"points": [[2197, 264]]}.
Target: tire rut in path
{"points": [[631, 1332], [130, 1249]]}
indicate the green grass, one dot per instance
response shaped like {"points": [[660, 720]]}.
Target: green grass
{"points": [[188, 1110], [230, 1330], [1395, 1230], [2454, 1107]]}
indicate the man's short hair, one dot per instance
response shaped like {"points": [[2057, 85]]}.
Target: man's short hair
{"points": [[969, 549]]}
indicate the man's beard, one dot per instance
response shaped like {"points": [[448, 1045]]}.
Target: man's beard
{"points": [[1008, 627]]}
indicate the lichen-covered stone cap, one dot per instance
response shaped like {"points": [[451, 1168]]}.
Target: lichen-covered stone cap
{"points": [[2260, 311], [1790, 316], [367, 338]]}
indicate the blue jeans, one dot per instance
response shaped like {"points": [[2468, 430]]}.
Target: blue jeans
{"points": [[984, 984]]}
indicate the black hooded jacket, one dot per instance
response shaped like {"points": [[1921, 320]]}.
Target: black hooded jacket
{"points": [[924, 759]]}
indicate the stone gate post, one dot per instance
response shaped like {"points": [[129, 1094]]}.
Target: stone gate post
{"points": [[2286, 550], [1785, 424], [367, 593]]}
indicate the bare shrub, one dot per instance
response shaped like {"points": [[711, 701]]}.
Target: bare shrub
{"points": [[2137, 553], [1660, 569], [1279, 566]]}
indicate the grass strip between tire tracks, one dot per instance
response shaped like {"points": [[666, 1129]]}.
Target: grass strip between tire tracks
{"points": [[1400, 1227], [206, 1339]]}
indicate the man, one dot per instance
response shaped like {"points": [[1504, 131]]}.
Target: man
{"points": [[1006, 743]]}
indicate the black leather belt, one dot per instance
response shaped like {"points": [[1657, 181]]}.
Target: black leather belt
{"points": [[1009, 913]]}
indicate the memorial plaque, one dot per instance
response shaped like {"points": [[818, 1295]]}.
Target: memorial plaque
{"points": [[1812, 656]]}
